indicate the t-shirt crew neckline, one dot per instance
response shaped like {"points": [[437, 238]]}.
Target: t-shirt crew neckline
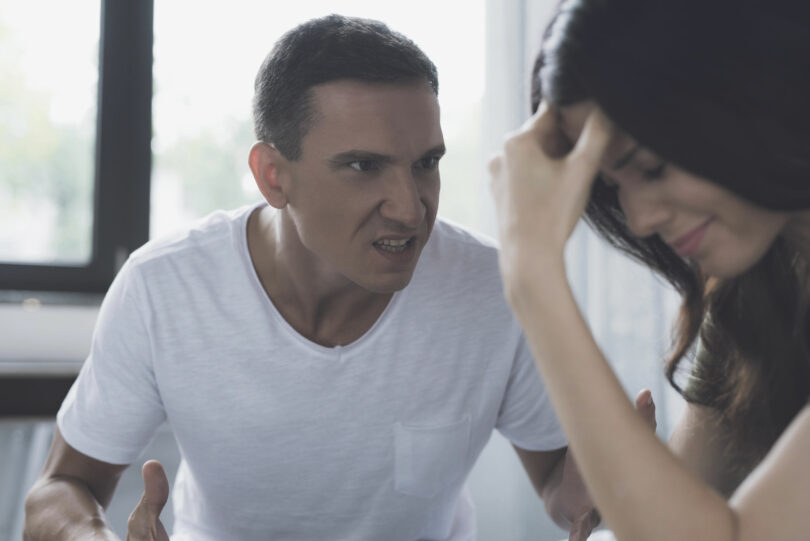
{"points": [[256, 284]]}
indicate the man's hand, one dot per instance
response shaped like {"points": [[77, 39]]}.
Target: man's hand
{"points": [[646, 407], [144, 522], [584, 525]]}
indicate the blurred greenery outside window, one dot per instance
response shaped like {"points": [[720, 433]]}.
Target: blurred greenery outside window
{"points": [[48, 95]]}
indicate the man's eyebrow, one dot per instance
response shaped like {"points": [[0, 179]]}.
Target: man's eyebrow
{"points": [[360, 155], [625, 159], [437, 151]]}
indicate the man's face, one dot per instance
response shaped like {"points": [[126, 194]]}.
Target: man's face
{"points": [[363, 194]]}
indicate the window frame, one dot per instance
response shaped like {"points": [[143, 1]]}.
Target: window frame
{"points": [[122, 157]]}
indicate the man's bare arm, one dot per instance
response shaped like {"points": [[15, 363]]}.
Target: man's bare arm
{"points": [[67, 501], [557, 482]]}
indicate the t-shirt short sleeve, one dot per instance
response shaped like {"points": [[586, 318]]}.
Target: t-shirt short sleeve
{"points": [[527, 416], [114, 408]]}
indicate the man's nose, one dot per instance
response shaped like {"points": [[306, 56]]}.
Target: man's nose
{"points": [[403, 201], [644, 211]]}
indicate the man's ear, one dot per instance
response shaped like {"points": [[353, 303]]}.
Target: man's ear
{"points": [[267, 165]]}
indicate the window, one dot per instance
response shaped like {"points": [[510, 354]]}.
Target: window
{"points": [[74, 141], [48, 112]]}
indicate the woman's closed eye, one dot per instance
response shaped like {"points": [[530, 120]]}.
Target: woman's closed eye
{"points": [[654, 173], [648, 174]]}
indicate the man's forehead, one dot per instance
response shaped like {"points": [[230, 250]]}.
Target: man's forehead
{"points": [[334, 97], [374, 117]]}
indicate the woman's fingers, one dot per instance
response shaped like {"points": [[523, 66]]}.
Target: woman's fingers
{"points": [[592, 142], [545, 130], [541, 189]]}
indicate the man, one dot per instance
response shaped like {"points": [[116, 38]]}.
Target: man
{"points": [[330, 362]]}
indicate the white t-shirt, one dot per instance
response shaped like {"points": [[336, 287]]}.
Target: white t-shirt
{"points": [[282, 438]]}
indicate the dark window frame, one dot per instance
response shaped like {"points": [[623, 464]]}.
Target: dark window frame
{"points": [[123, 157]]}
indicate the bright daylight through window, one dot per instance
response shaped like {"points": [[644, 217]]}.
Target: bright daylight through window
{"points": [[47, 131]]}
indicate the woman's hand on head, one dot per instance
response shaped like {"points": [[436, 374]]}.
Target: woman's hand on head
{"points": [[541, 189]]}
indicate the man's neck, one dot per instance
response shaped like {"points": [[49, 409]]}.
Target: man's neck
{"points": [[320, 304]]}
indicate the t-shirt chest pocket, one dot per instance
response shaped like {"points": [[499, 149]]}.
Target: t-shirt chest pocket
{"points": [[429, 458]]}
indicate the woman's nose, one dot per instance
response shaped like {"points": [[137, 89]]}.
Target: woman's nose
{"points": [[644, 210]]}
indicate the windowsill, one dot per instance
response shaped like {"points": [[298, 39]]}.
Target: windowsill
{"points": [[49, 298], [45, 334], [31, 368]]}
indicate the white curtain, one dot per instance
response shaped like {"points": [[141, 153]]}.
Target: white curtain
{"points": [[629, 310]]}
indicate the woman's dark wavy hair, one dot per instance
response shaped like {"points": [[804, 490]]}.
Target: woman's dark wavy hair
{"points": [[722, 89]]}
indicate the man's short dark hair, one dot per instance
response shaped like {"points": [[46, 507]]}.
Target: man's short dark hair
{"points": [[324, 50]]}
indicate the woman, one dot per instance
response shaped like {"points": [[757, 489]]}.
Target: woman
{"points": [[682, 130]]}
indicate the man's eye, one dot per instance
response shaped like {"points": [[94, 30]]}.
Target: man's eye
{"points": [[363, 165], [429, 163]]}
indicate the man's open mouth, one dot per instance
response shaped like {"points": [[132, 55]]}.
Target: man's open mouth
{"points": [[393, 245]]}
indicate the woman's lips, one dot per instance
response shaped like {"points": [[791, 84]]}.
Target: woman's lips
{"points": [[688, 244]]}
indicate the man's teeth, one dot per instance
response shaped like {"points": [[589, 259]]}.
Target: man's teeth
{"points": [[390, 245]]}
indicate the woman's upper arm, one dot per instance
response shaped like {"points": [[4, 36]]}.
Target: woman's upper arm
{"points": [[64, 461], [698, 441], [774, 501]]}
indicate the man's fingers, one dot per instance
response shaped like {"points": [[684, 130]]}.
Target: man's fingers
{"points": [[646, 407], [155, 486], [584, 525], [155, 491], [144, 522]]}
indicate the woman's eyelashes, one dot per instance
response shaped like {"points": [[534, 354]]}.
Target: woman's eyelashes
{"points": [[654, 173], [648, 174]]}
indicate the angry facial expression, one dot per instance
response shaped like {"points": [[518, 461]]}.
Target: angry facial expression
{"points": [[363, 195]]}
